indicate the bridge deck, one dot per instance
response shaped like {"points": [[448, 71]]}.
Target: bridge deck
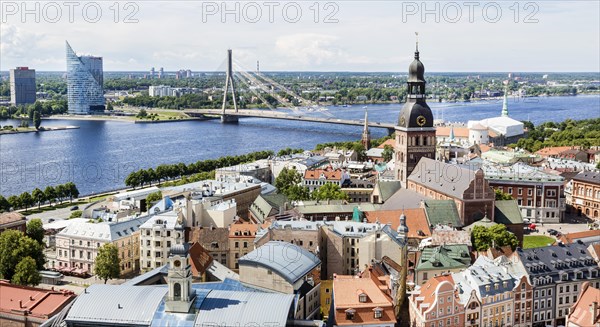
{"points": [[280, 115]]}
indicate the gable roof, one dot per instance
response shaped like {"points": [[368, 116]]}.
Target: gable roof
{"points": [[330, 175], [275, 255], [580, 314], [442, 212], [387, 189], [432, 174], [444, 257], [403, 198], [587, 236], [415, 220], [588, 177], [507, 212]]}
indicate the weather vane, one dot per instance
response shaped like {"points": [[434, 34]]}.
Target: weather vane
{"points": [[417, 35]]}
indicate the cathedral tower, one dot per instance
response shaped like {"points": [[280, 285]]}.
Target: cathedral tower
{"points": [[415, 134]]}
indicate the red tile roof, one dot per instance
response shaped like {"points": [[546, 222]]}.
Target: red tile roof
{"points": [[390, 142], [415, 220], [33, 301], [462, 132], [573, 237], [346, 294], [553, 150], [10, 217], [581, 313], [330, 175]]}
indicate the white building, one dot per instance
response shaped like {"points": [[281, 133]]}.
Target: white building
{"points": [[160, 91], [157, 235]]}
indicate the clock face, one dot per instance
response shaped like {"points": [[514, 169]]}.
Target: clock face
{"points": [[421, 121], [177, 263], [402, 120]]}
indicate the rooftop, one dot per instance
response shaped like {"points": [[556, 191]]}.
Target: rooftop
{"points": [[507, 212], [104, 231], [588, 236], [416, 221], [588, 177], [330, 175], [403, 198], [442, 212], [444, 257], [581, 313], [275, 255], [519, 172], [432, 174], [37, 302], [11, 217]]}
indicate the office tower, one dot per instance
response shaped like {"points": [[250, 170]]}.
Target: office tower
{"points": [[22, 86], [84, 83]]}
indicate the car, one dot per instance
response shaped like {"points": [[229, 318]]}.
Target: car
{"points": [[73, 208], [552, 231]]}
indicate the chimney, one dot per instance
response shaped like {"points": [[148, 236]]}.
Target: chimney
{"points": [[593, 311]]}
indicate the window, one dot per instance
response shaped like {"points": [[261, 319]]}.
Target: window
{"points": [[362, 298], [520, 191], [350, 314], [378, 313], [237, 245]]}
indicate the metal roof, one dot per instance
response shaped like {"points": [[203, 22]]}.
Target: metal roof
{"points": [[103, 231], [287, 260], [232, 309], [117, 304]]}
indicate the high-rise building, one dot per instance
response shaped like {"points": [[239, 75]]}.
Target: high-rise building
{"points": [[84, 83], [22, 86], [415, 134]]}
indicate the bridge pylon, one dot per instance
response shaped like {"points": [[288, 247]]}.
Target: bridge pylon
{"points": [[229, 81]]}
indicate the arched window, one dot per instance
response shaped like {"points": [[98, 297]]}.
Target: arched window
{"points": [[177, 291]]}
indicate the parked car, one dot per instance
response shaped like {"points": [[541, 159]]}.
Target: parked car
{"points": [[552, 232], [73, 208]]}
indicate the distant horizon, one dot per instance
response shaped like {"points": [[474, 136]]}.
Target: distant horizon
{"points": [[332, 71]]}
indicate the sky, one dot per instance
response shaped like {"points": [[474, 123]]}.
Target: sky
{"points": [[349, 35]]}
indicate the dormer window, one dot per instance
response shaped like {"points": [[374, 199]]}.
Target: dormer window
{"points": [[350, 314], [487, 288], [378, 313], [362, 298]]}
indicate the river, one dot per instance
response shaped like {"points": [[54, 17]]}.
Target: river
{"points": [[100, 154]]}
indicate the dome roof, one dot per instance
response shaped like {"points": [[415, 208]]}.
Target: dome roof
{"points": [[179, 249], [411, 113], [416, 70]]}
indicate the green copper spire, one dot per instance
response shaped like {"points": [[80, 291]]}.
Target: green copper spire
{"points": [[505, 103]]}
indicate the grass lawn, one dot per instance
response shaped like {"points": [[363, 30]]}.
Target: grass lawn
{"points": [[537, 241], [34, 210]]}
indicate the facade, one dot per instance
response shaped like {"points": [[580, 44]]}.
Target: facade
{"points": [[241, 242], [316, 178], [540, 196], [157, 235], [13, 220], [468, 188], [586, 194], [436, 303], [77, 245], [23, 306], [160, 91], [493, 287], [85, 90], [523, 295], [360, 302], [22, 86], [270, 267], [415, 134], [557, 274], [358, 190], [215, 240]]}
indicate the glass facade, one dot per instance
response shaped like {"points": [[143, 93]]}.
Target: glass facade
{"points": [[84, 83]]}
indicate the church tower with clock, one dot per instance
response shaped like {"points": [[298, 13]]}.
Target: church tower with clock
{"points": [[415, 134]]}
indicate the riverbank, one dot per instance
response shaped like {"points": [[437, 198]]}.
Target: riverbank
{"points": [[20, 130], [122, 119]]}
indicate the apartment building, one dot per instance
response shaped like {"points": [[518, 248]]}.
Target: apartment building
{"points": [[157, 235], [436, 303], [586, 194]]}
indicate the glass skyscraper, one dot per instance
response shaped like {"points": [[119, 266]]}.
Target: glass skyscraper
{"points": [[84, 83]]}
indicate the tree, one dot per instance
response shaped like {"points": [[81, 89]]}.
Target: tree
{"points": [[598, 165], [4, 204], [360, 150], [76, 214], [35, 230], [107, 262], [286, 179], [26, 273], [37, 120], [61, 192], [72, 191], [329, 191], [38, 196], [388, 153], [142, 114], [497, 235], [14, 246], [50, 194], [26, 200], [153, 197], [109, 106], [298, 193], [502, 196], [14, 202]]}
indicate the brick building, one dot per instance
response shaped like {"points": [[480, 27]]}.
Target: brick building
{"points": [[586, 194]]}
